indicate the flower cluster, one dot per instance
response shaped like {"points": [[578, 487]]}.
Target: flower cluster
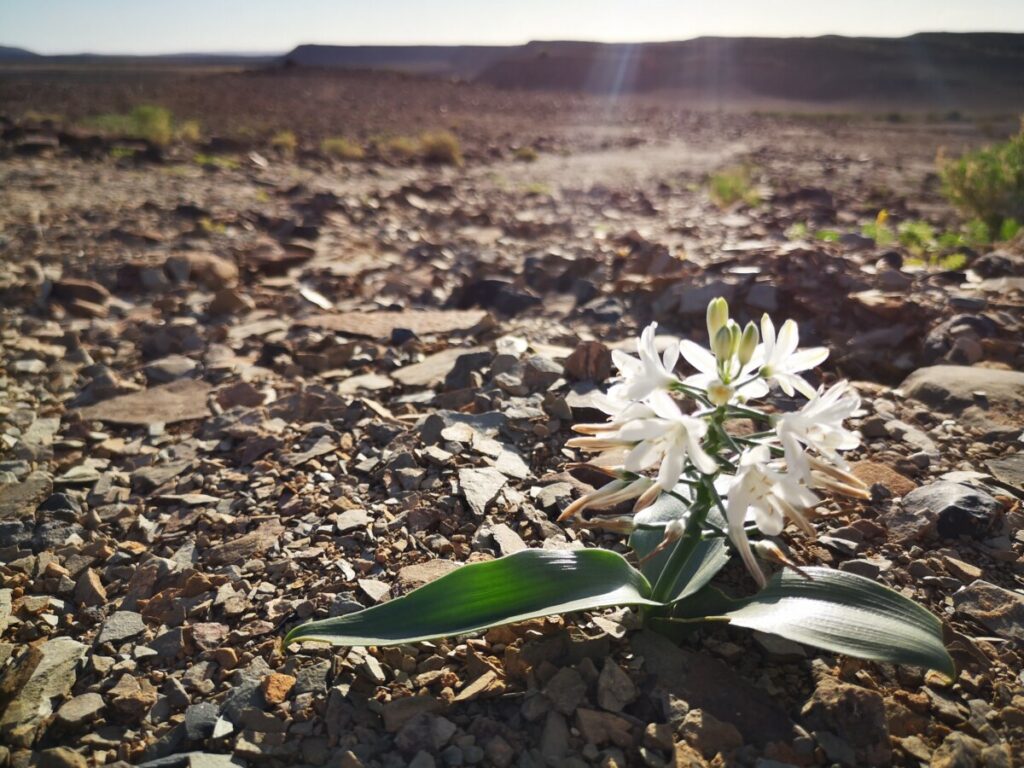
{"points": [[667, 434]]}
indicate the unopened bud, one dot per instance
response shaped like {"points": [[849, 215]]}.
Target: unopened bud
{"points": [[748, 343], [718, 315], [725, 341]]}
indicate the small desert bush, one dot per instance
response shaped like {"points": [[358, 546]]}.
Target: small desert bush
{"points": [[988, 184], [189, 132], [216, 162], [342, 148], [155, 124], [398, 149], [440, 147], [284, 141], [525, 154], [732, 185]]}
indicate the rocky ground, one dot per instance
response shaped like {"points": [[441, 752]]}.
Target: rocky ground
{"points": [[236, 398]]}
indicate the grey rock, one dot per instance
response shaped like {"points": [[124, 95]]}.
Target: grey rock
{"points": [[480, 486], [312, 679], [82, 709], [989, 399], [615, 689], [957, 509], [168, 369], [121, 625], [53, 677], [998, 610], [199, 720], [566, 690]]}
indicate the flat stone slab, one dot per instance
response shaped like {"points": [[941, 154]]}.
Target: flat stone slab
{"points": [[433, 369], [380, 325], [182, 400]]}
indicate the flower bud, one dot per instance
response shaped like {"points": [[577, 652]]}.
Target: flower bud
{"points": [[748, 343], [718, 315], [725, 341]]}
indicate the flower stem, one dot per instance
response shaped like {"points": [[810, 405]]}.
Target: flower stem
{"points": [[684, 548]]}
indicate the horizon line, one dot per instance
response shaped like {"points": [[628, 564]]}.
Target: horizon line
{"points": [[263, 54]]}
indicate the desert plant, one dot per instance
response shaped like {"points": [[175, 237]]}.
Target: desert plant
{"points": [[879, 229], [285, 141], [703, 490], [342, 148], [733, 185], [440, 147], [525, 154], [188, 131], [152, 123], [988, 183], [398, 149]]}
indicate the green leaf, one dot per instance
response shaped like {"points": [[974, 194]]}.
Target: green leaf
{"points": [[526, 585], [844, 613]]}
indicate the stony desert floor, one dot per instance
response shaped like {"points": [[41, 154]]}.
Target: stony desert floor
{"points": [[237, 396]]}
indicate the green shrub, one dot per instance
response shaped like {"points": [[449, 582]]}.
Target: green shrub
{"points": [[440, 147], [398, 149], [526, 154], [988, 184], [284, 141], [189, 132], [732, 185], [154, 124], [342, 148], [879, 230]]}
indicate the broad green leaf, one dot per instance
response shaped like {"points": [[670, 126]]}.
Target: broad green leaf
{"points": [[844, 613], [526, 585]]}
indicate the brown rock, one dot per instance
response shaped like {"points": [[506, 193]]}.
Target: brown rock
{"points": [[398, 712], [600, 727], [590, 361], [380, 325], [853, 715], [181, 400], [246, 546], [872, 472], [962, 570], [276, 687], [240, 393], [70, 290], [708, 734], [230, 301], [90, 590]]}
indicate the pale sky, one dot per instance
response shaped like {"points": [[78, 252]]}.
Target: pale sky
{"points": [[142, 26]]}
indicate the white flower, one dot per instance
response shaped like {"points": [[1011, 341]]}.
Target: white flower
{"points": [[608, 495], [781, 361], [649, 373], [711, 375], [770, 497], [669, 437], [819, 426]]}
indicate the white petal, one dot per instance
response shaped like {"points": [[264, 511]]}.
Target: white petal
{"points": [[641, 457], [643, 429], [806, 359], [698, 357], [670, 357], [789, 339], [626, 364], [768, 335], [664, 406], [768, 520], [701, 460], [797, 382], [671, 466]]}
